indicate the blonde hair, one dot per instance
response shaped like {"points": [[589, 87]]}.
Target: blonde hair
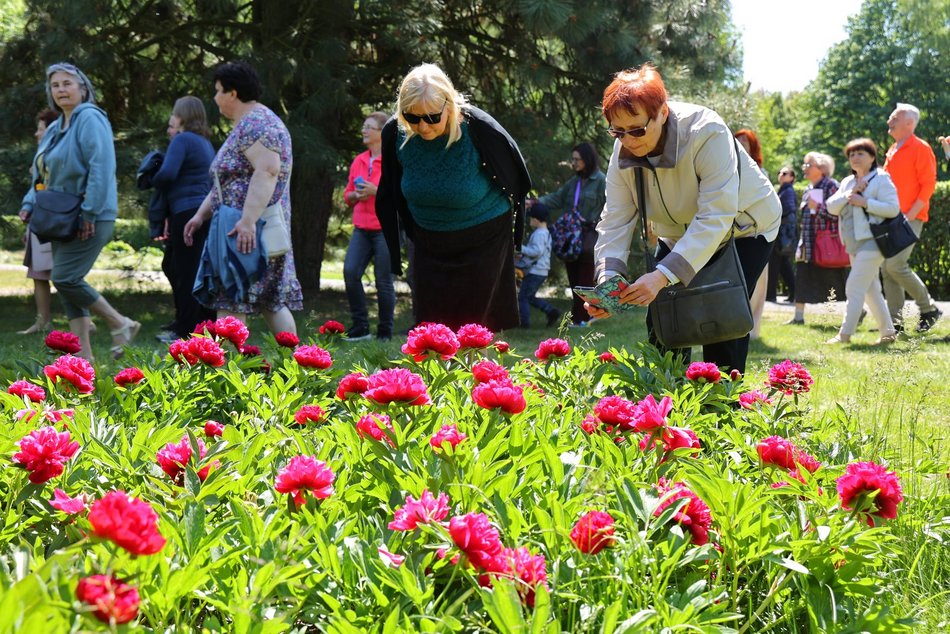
{"points": [[428, 87], [824, 162]]}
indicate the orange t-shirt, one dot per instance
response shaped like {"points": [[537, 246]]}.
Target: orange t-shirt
{"points": [[913, 169]]}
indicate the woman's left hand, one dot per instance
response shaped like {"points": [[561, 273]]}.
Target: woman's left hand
{"points": [[246, 235], [367, 189], [87, 230], [645, 289], [857, 200]]}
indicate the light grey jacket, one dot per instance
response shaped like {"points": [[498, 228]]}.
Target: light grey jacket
{"points": [[855, 225], [693, 196]]}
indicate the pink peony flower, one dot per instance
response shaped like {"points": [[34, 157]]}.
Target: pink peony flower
{"points": [[375, 426], [780, 452], [422, 511], [310, 414], [502, 347], [114, 601], [503, 395], [26, 389], [552, 348], [390, 559], [863, 479], [477, 538], [701, 370], [475, 336], [397, 385], [608, 357], [173, 458], [214, 429], [351, 385], [530, 571], [68, 505], [287, 339], [129, 522], [789, 377], [650, 415], [303, 474], [313, 357], [331, 327], [197, 350], [44, 452], [593, 532], [616, 411], [205, 328], [250, 351], [748, 399], [486, 370], [694, 516], [435, 339], [129, 376], [448, 434], [232, 329], [65, 342], [75, 371], [673, 438]]}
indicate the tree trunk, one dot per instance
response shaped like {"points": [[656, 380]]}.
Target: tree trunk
{"points": [[311, 192]]}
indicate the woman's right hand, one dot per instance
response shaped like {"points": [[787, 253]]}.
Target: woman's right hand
{"points": [[191, 228], [25, 215], [595, 312]]}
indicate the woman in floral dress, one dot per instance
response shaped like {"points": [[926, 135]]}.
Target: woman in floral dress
{"points": [[253, 168]]}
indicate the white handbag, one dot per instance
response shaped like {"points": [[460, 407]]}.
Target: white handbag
{"points": [[275, 236]]}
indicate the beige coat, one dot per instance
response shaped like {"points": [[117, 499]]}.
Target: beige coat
{"points": [[855, 221]]}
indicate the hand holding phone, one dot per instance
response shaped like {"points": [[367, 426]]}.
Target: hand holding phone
{"points": [[359, 182]]}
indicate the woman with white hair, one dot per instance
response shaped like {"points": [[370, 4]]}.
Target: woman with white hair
{"points": [[456, 181], [77, 157], [815, 284]]}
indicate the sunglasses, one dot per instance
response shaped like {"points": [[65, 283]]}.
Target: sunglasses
{"points": [[805, 166], [634, 132], [431, 119]]}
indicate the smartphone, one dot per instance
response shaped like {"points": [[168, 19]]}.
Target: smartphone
{"points": [[359, 182]]}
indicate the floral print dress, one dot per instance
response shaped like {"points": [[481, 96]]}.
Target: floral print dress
{"points": [[278, 286]]}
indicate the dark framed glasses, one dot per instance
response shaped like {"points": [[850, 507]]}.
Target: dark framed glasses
{"points": [[431, 118], [634, 132]]}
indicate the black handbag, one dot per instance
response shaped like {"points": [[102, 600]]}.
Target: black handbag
{"points": [[893, 235], [55, 216], [714, 307]]}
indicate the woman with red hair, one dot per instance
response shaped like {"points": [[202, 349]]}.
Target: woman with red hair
{"points": [[693, 194]]}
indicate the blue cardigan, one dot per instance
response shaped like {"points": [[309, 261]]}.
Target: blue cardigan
{"points": [[184, 175]]}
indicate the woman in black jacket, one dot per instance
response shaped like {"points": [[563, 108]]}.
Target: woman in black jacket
{"points": [[455, 180], [780, 263]]}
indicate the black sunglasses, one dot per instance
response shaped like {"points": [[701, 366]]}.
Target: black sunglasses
{"points": [[634, 132], [431, 119]]}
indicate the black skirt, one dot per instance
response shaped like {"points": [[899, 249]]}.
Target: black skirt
{"points": [[466, 276], [817, 285]]}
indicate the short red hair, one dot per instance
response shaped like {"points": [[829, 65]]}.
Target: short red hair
{"points": [[755, 149], [635, 89]]}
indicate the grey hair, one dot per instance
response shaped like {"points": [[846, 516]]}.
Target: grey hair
{"points": [[825, 163], [911, 111], [88, 92]]}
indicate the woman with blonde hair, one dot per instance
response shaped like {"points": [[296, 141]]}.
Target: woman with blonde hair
{"points": [[456, 181]]}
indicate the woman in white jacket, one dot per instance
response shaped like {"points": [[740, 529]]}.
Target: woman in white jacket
{"points": [[866, 197]]}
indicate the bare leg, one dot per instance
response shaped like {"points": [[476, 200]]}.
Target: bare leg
{"points": [[280, 321], [122, 329], [80, 327], [758, 302], [43, 298]]}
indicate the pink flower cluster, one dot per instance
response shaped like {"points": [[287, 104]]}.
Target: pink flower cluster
{"points": [[447, 434], [75, 371], [195, 350], [789, 377], [500, 394], [781, 452], [313, 357], [694, 515], [486, 370], [552, 348], [593, 532], [129, 376], [65, 342], [699, 370], [352, 384], [422, 511], [310, 414], [174, 457], [232, 329], [114, 601], [331, 327], [129, 522], [397, 385], [869, 488], [431, 339], [44, 452], [287, 339], [474, 336], [374, 426], [305, 474], [28, 390]]}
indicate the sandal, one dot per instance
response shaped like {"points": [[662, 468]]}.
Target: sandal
{"points": [[126, 334], [38, 326], [838, 339], [886, 339]]}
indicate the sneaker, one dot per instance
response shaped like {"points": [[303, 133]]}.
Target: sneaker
{"points": [[358, 334], [553, 318], [927, 320], [167, 336], [795, 322]]}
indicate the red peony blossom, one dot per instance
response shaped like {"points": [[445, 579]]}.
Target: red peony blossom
{"points": [[65, 342], [43, 452], [673, 438], [197, 350], [448, 434], [616, 411], [780, 452], [397, 385], [435, 339], [552, 348], [214, 429], [351, 385], [734, 375], [789, 377], [422, 511], [52, 415], [313, 357], [607, 357], [205, 328], [287, 339], [178, 349], [475, 336], [129, 376], [250, 351], [529, 570], [486, 370], [332, 327], [114, 601], [375, 426], [35, 393], [173, 458], [303, 474], [502, 347], [861, 480], [694, 516], [477, 538], [310, 414], [748, 399], [76, 371], [232, 329], [651, 415], [129, 522], [593, 532], [503, 395], [701, 370], [68, 505]]}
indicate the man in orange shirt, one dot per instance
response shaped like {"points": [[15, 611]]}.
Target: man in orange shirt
{"points": [[912, 166]]}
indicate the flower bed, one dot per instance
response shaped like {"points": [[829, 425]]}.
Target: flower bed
{"points": [[461, 487]]}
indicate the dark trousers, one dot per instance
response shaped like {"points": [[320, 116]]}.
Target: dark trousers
{"points": [[581, 273], [527, 297], [753, 255], [183, 266], [780, 265]]}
